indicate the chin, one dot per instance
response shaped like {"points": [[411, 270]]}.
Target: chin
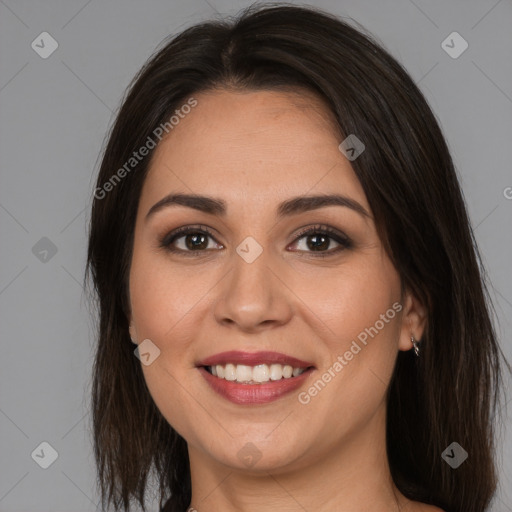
{"points": [[260, 456]]}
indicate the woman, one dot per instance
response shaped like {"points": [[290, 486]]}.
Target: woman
{"points": [[278, 228]]}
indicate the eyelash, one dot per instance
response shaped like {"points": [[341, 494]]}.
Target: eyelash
{"points": [[343, 241]]}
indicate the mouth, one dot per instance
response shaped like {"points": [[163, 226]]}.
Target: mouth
{"points": [[254, 378]]}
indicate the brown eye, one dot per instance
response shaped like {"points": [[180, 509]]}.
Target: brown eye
{"points": [[320, 238], [194, 240]]}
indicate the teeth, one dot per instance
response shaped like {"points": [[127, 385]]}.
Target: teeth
{"points": [[254, 374], [276, 372], [287, 371], [229, 372], [243, 373], [260, 373]]}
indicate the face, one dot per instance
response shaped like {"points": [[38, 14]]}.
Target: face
{"points": [[255, 291]]}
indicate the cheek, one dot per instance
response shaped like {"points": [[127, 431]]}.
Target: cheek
{"points": [[350, 298], [162, 298], [351, 387], [361, 307], [163, 305]]}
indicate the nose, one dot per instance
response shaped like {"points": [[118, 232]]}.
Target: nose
{"points": [[253, 296]]}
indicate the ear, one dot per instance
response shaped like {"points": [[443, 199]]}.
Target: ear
{"points": [[414, 320], [133, 331]]}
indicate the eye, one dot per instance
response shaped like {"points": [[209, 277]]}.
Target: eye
{"points": [[194, 240], [319, 238]]}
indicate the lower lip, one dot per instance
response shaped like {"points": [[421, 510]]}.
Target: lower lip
{"points": [[248, 394]]}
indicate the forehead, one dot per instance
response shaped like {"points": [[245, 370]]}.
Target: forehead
{"points": [[252, 146]]}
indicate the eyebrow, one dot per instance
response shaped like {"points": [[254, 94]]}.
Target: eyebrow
{"points": [[293, 206]]}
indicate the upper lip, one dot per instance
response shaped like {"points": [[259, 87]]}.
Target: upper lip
{"points": [[253, 359]]}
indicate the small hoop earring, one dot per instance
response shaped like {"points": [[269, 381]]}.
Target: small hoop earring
{"points": [[416, 345]]}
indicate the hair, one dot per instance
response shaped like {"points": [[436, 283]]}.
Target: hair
{"points": [[451, 392]]}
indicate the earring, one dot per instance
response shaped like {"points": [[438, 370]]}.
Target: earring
{"points": [[416, 345]]}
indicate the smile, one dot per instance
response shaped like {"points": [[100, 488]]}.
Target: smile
{"points": [[254, 378]]}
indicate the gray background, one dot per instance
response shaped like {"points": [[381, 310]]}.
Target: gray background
{"points": [[55, 113]]}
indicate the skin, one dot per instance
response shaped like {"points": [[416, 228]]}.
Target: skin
{"points": [[254, 150]]}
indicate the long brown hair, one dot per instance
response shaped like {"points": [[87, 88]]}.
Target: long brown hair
{"points": [[450, 393]]}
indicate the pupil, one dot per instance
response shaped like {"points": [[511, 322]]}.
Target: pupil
{"points": [[316, 245], [195, 238]]}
